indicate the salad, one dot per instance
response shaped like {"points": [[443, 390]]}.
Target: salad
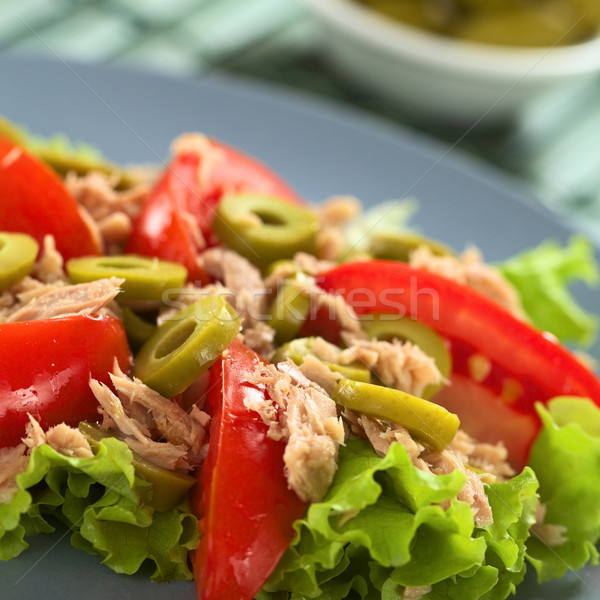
{"points": [[280, 401]]}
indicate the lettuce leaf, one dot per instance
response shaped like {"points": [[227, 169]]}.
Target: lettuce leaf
{"points": [[102, 502], [381, 528], [566, 459], [542, 275]]}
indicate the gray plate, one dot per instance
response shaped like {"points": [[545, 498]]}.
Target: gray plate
{"points": [[322, 149]]}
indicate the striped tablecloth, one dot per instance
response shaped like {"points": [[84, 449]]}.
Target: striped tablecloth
{"points": [[557, 152]]}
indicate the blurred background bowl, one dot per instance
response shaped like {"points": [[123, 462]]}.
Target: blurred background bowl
{"points": [[457, 82]]}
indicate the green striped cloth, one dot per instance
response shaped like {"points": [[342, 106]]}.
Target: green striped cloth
{"points": [[555, 150]]}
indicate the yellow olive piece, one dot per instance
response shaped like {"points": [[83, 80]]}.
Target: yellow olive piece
{"points": [[289, 311], [397, 245], [544, 25], [138, 330], [168, 487], [186, 345], [388, 327], [297, 349], [11, 132], [430, 423], [148, 279], [64, 159], [264, 228], [18, 252]]}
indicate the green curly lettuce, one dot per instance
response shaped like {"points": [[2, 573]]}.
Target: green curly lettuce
{"points": [[102, 502], [566, 459], [381, 528], [542, 275]]}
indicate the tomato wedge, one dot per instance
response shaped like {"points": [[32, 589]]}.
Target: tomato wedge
{"points": [[176, 221], [34, 200], [246, 506], [47, 366], [524, 367]]}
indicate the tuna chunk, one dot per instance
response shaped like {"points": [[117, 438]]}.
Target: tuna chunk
{"points": [[12, 462], [143, 416], [471, 270], [68, 300], [308, 422], [400, 365], [109, 211]]}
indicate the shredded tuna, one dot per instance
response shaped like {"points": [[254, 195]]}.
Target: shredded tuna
{"points": [[307, 420], [34, 434], [338, 210], [210, 155], [170, 420], [260, 338], [241, 277], [49, 267], [314, 369], [471, 270], [311, 265], [473, 492], [110, 210], [136, 435], [62, 438], [415, 593], [400, 365], [330, 244], [339, 310], [68, 441], [80, 299], [492, 459], [549, 534], [12, 462], [382, 436]]}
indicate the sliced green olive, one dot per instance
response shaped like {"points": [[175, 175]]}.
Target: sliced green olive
{"points": [[263, 228], [168, 487], [388, 327], [430, 423], [18, 252], [186, 345], [397, 245], [138, 330], [297, 349], [145, 278], [288, 311]]}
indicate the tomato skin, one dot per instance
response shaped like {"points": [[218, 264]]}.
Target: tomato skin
{"points": [[33, 200], [517, 352], [190, 189], [246, 507], [47, 366]]}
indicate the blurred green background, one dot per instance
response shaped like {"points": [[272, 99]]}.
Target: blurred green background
{"points": [[554, 151]]}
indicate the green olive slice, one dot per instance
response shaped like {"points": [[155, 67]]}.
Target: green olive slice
{"points": [[168, 487], [430, 423], [186, 345], [145, 278], [397, 245], [138, 330], [18, 252], [288, 311], [388, 327], [264, 228]]}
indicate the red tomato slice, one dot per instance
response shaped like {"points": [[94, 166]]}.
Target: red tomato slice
{"points": [[246, 506], [525, 366], [176, 221], [33, 200], [47, 366]]}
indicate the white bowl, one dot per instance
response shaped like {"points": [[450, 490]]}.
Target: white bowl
{"points": [[445, 79]]}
